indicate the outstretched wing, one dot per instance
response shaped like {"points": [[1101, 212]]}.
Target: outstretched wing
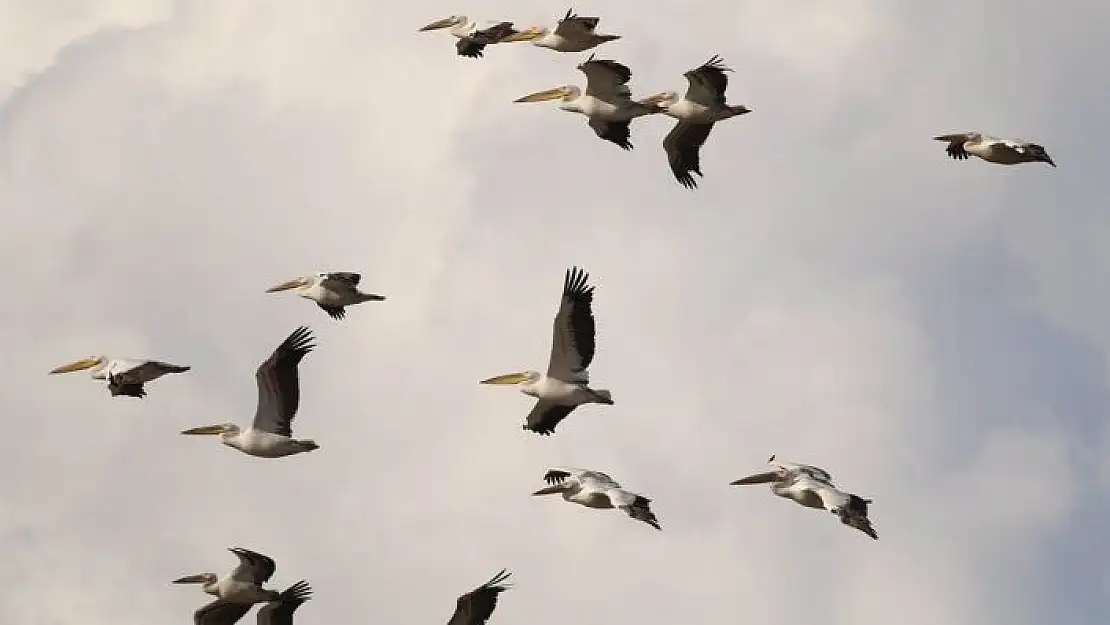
{"points": [[476, 606], [575, 27], [619, 133], [279, 390], [955, 147], [573, 332], [341, 281], [708, 82], [220, 612], [280, 612], [683, 147], [254, 567], [545, 416], [606, 79]]}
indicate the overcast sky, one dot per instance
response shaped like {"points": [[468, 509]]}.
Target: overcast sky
{"points": [[934, 333]]}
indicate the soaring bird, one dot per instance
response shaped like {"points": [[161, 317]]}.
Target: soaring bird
{"points": [[607, 102], [702, 106], [571, 34], [125, 376], [243, 585], [331, 291], [279, 393], [566, 384], [472, 36], [278, 611], [594, 489], [476, 606], [964, 145], [813, 488]]}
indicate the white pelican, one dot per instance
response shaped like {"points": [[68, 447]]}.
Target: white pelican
{"points": [[813, 487], [566, 385], [125, 376], [964, 145], [473, 37], [243, 584], [702, 106], [607, 102], [571, 34], [331, 291], [278, 611], [594, 489], [279, 393], [476, 606]]}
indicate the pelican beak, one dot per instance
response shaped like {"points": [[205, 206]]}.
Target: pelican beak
{"points": [[530, 34], [509, 378], [446, 22], [285, 286], [199, 578], [550, 490], [207, 429], [541, 96], [759, 478], [80, 365]]}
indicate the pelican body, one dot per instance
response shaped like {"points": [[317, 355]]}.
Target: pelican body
{"points": [[963, 146], [573, 33], [703, 106], [594, 489], [277, 611], [476, 606], [243, 584], [566, 384], [813, 488], [271, 434], [607, 101], [125, 376], [472, 36], [332, 291]]}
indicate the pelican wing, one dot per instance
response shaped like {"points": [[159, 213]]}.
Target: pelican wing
{"points": [[572, 341], [708, 83], [574, 27], [153, 369], [683, 147], [545, 416], [619, 133], [955, 147], [597, 479], [808, 470], [220, 612], [280, 612], [254, 567], [279, 390], [341, 281], [606, 79], [476, 606]]}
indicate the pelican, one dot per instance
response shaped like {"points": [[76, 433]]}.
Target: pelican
{"points": [[331, 291], [276, 612], [244, 584], [964, 145], [271, 434], [594, 489], [813, 488], [571, 34], [607, 102], [566, 385], [702, 106], [476, 606], [125, 376], [472, 38]]}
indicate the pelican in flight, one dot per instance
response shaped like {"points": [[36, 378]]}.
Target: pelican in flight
{"points": [[813, 488], [476, 606], [994, 150], [279, 393], [566, 385], [244, 584], [278, 611], [472, 37], [702, 106], [571, 34], [125, 376], [594, 489], [331, 291], [607, 102]]}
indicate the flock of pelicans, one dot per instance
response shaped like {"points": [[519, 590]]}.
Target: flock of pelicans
{"points": [[607, 103]]}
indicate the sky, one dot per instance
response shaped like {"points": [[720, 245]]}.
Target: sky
{"points": [[837, 292]]}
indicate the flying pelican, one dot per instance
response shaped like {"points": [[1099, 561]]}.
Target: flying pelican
{"points": [[472, 38], [476, 606], [594, 489], [607, 102], [702, 106], [125, 376], [571, 34], [813, 488], [566, 385], [276, 612], [331, 291], [994, 150], [244, 584], [271, 434]]}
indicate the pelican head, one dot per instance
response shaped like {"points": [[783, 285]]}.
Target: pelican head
{"points": [[1039, 154], [550, 490], [565, 93], [446, 22], [199, 578], [528, 34], [80, 365], [296, 283], [224, 430], [513, 378]]}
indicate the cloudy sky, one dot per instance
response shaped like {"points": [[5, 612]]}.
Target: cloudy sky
{"points": [[838, 292]]}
